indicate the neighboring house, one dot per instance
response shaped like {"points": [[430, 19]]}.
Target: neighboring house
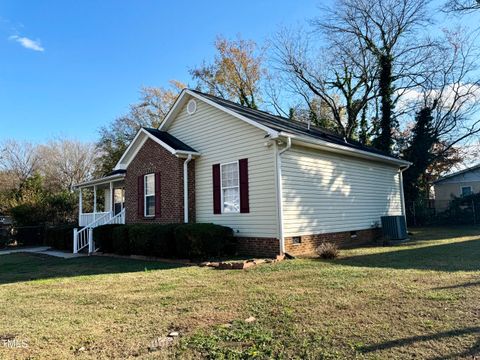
{"points": [[6, 223], [459, 184], [281, 185]]}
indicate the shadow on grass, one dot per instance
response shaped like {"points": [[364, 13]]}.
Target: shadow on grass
{"points": [[458, 256], [458, 286], [475, 350], [26, 267]]}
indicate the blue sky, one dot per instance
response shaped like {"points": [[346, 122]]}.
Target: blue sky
{"points": [[87, 59], [69, 67]]}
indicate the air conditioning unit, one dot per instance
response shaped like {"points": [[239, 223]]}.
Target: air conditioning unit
{"points": [[394, 227]]}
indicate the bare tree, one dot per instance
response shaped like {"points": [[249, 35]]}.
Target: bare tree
{"points": [[21, 159], [462, 6], [150, 111], [447, 104], [66, 162], [235, 73], [388, 29], [341, 77]]}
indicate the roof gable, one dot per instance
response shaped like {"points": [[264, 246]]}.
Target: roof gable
{"points": [[186, 94], [276, 126], [164, 139]]}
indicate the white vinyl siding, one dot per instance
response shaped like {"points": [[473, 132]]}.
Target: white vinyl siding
{"points": [[325, 192], [222, 138]]}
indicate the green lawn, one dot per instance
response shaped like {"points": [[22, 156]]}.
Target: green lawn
{"points": [[420, 300]]}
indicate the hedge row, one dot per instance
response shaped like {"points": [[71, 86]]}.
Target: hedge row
{"points": [[187, 241], [60, 237]]}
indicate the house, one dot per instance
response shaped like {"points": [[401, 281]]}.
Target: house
{"points": [[281, 185], [6, 223], [458, 184]]}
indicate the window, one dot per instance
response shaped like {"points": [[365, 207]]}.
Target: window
{"points": [[296, 240], [466, 190], [149, 182], [230, 188]]}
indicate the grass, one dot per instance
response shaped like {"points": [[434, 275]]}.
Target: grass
{"points": [[417, 300]]}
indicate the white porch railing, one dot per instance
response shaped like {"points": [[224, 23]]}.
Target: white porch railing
{"points": [[88, 218], [84, 237]]}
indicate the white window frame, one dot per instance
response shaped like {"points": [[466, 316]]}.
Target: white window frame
{"points": [[464, 187], [229, 187], [145, 195]]}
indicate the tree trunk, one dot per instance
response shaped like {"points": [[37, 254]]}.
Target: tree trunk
{"points": [[384, 140]]}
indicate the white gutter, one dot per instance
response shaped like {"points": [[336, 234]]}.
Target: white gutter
{"points": [[346, 150], [185, 188], [280, 195]]}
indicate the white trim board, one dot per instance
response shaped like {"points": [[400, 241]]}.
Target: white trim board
{"points": [[134, 147]]}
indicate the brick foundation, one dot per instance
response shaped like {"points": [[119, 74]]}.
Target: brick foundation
{"points": [[153, 158], [259, 247], [270, 247], [345, 239]]}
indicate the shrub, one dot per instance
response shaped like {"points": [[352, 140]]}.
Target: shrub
{"points": [[103, 236], [163, 240], [121, 242], [328, 250], [140, 237], [60, 237], [196, 241]]}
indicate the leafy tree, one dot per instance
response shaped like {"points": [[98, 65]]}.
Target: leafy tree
{"points": [[150, 111], [235, 73]]}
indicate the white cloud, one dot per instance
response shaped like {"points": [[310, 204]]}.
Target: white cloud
{"points": [[27, 43]]}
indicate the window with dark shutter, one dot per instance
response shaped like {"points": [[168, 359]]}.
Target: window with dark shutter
{"points": [[158, 202], [140, 198], [217, 199], [244, 201]]}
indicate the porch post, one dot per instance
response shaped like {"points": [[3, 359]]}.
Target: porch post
{"points": [[80, 205], [94, 202], [112, 201], [75, 241]]}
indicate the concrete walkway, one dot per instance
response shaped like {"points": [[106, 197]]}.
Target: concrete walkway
{"points": [[45, 250]]}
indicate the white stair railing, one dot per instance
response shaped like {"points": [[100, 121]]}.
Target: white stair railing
{"points": [[119, 218], [81, 239], [84, 237]]}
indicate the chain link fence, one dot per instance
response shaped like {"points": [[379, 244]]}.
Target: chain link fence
{"points": [[459, 211]]}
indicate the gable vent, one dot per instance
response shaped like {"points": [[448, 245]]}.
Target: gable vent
{"points": [[191, 107]]}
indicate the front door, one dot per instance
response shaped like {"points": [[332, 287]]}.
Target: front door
{"points": [[118, 200]]}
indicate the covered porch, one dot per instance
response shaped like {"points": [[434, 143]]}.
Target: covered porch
{"points": [[101, 200]]}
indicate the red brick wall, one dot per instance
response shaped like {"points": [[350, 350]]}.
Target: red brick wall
{"points": [[268, 247], [153, 158], [343, 239]]}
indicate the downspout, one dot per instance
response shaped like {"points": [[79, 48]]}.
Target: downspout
{"points": [[404, 212], [185, 188], [280, 195]]}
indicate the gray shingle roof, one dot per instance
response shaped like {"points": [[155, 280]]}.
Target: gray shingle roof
{"points": [[170, 140], [279, 123]]}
